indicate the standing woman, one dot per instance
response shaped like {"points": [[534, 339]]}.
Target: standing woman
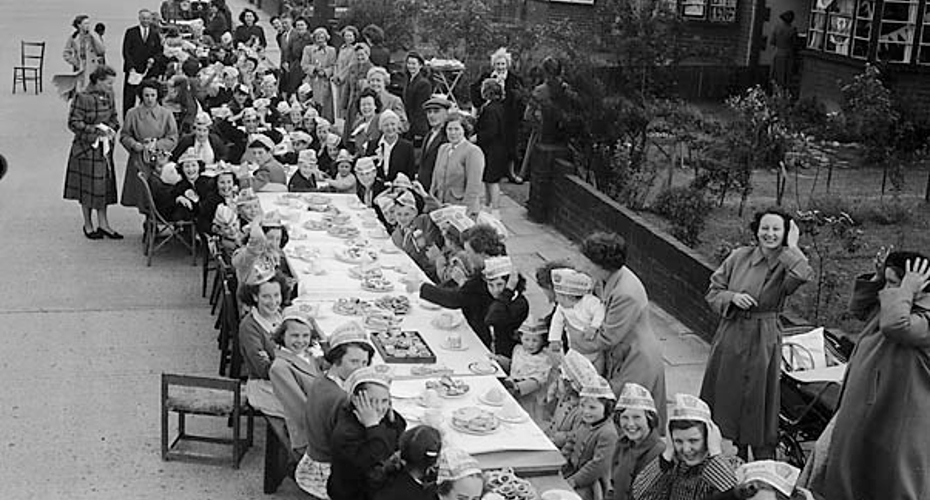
{"points": [[357, 80], [492, 140], [249, 32], [319, 63], [292, 53], [344, 62], [90, 178], [149, 127], [417, 90], [514, 97], [749, 291], [84, 51], [380, 55], [459, 168], [632, 349]]}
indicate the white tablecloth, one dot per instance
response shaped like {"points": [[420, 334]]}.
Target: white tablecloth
{"points": [[323, 290], [525, 436]]}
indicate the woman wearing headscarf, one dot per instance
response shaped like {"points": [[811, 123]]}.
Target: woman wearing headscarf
{"points": [[319, 63], [90, 178], [84, 51], [512, 100], [345, 59], [367, 433], [693, 466], [292, 56], [149, 127], [640, 441], [880, 448], [749, 291]]}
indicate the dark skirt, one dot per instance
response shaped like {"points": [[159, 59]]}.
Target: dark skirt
{"points": [[133, 193], [741, 381], [497, 162], [90, 178]]}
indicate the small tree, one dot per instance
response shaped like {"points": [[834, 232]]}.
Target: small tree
{"points": [[832, 236], [398, 19], [869, 112]]}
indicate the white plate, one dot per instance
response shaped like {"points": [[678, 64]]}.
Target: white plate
{"points": [[483, 368], [513, 420], [483, 400], [464, 430], [425, 304], [400, 392]]}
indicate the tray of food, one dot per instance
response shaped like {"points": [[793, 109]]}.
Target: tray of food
{"points": [[351, 306], [403, 347], [397, 304], [448, 387], [506, 484], [341, 219], [377, 284], [475, 420]]}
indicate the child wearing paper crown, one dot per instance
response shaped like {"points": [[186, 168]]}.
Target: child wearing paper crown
{"points": [[576, 371], [589, 450], [578, 314], [304, 179], [509, 307], [344, 180], [168, 191], [529, 368]]}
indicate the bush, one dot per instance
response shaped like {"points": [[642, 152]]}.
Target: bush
{"points": [[888, 214], [686, 209]]}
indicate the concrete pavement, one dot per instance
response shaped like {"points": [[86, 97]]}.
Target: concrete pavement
{"points": [[88, 328]]}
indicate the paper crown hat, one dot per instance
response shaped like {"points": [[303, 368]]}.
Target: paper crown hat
{"points": [[304, 88], [189, 155], [779, 475], [246, 196], [496, 267], [368, 374], [578, 369], [401, 181], [364, 165], [262, 139], [272, 219], [454, 464], [689, 407], [635, 397], [301, 136], [306, 156], [294, 313], [262, 271], [597, 388], [344, 157], [442, 216], [534, 326], [348, 333], [571, 282], [203, 118], [461, 221]]}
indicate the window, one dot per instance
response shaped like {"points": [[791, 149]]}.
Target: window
{"points": [[715, 11], [897, 31], [923, 56], [894, 31]]}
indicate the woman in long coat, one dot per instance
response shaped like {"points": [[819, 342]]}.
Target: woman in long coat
{"points": [[491, 129], [319, 63], [880, 447], [90, 178], [749, 291], [344, 62], [632, 349], [84, 51], [149, 127]]}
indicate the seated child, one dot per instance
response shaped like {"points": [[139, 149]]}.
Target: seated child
{"points": [[589, 450], [344, 180], [304, 179], [575, 371], [578, 313], [270, 175], [529, 368], [452, 267], [168, 191], [509, 307]]}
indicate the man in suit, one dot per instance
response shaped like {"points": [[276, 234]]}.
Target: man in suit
{"points": [[437, 108], [141, 45]]}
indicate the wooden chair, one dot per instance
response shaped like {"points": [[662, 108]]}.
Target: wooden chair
{"points": [[32, 63], [157, 226], [209, 263], [189, 395]]}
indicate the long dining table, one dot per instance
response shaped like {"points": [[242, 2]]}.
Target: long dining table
{"points": [[324, 269]]}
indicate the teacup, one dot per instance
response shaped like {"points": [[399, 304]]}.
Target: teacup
{"points": [[454, 341]]}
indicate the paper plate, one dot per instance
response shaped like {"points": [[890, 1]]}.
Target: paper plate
{"points": [[485, 401], [482, 368]]}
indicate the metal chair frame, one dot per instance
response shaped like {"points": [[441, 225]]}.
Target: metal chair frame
{"points": [[155, 224]]}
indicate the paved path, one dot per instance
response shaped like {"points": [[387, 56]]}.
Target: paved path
{"points": [[87, 328]]}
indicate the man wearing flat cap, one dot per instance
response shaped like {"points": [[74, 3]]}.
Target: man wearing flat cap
{"points": [[437, 108]]}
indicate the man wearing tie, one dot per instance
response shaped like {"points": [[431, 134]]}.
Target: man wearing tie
{"points": [[437, 108], [141, 44]]}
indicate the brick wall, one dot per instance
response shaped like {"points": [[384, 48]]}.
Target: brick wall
{"points": [[822, 73], [675, 276]]}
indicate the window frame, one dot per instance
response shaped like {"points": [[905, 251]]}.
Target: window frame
{"points": [[709, 10]]}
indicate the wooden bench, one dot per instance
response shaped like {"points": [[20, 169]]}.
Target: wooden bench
{"points": [[280, 459]]}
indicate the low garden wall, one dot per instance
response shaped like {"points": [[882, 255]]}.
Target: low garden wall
{"points": [[675, 276]]}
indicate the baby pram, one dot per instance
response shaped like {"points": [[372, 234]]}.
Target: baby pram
{"points": [[813, 365]]}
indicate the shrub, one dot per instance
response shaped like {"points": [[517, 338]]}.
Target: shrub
{"points": [[687, 209]]}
